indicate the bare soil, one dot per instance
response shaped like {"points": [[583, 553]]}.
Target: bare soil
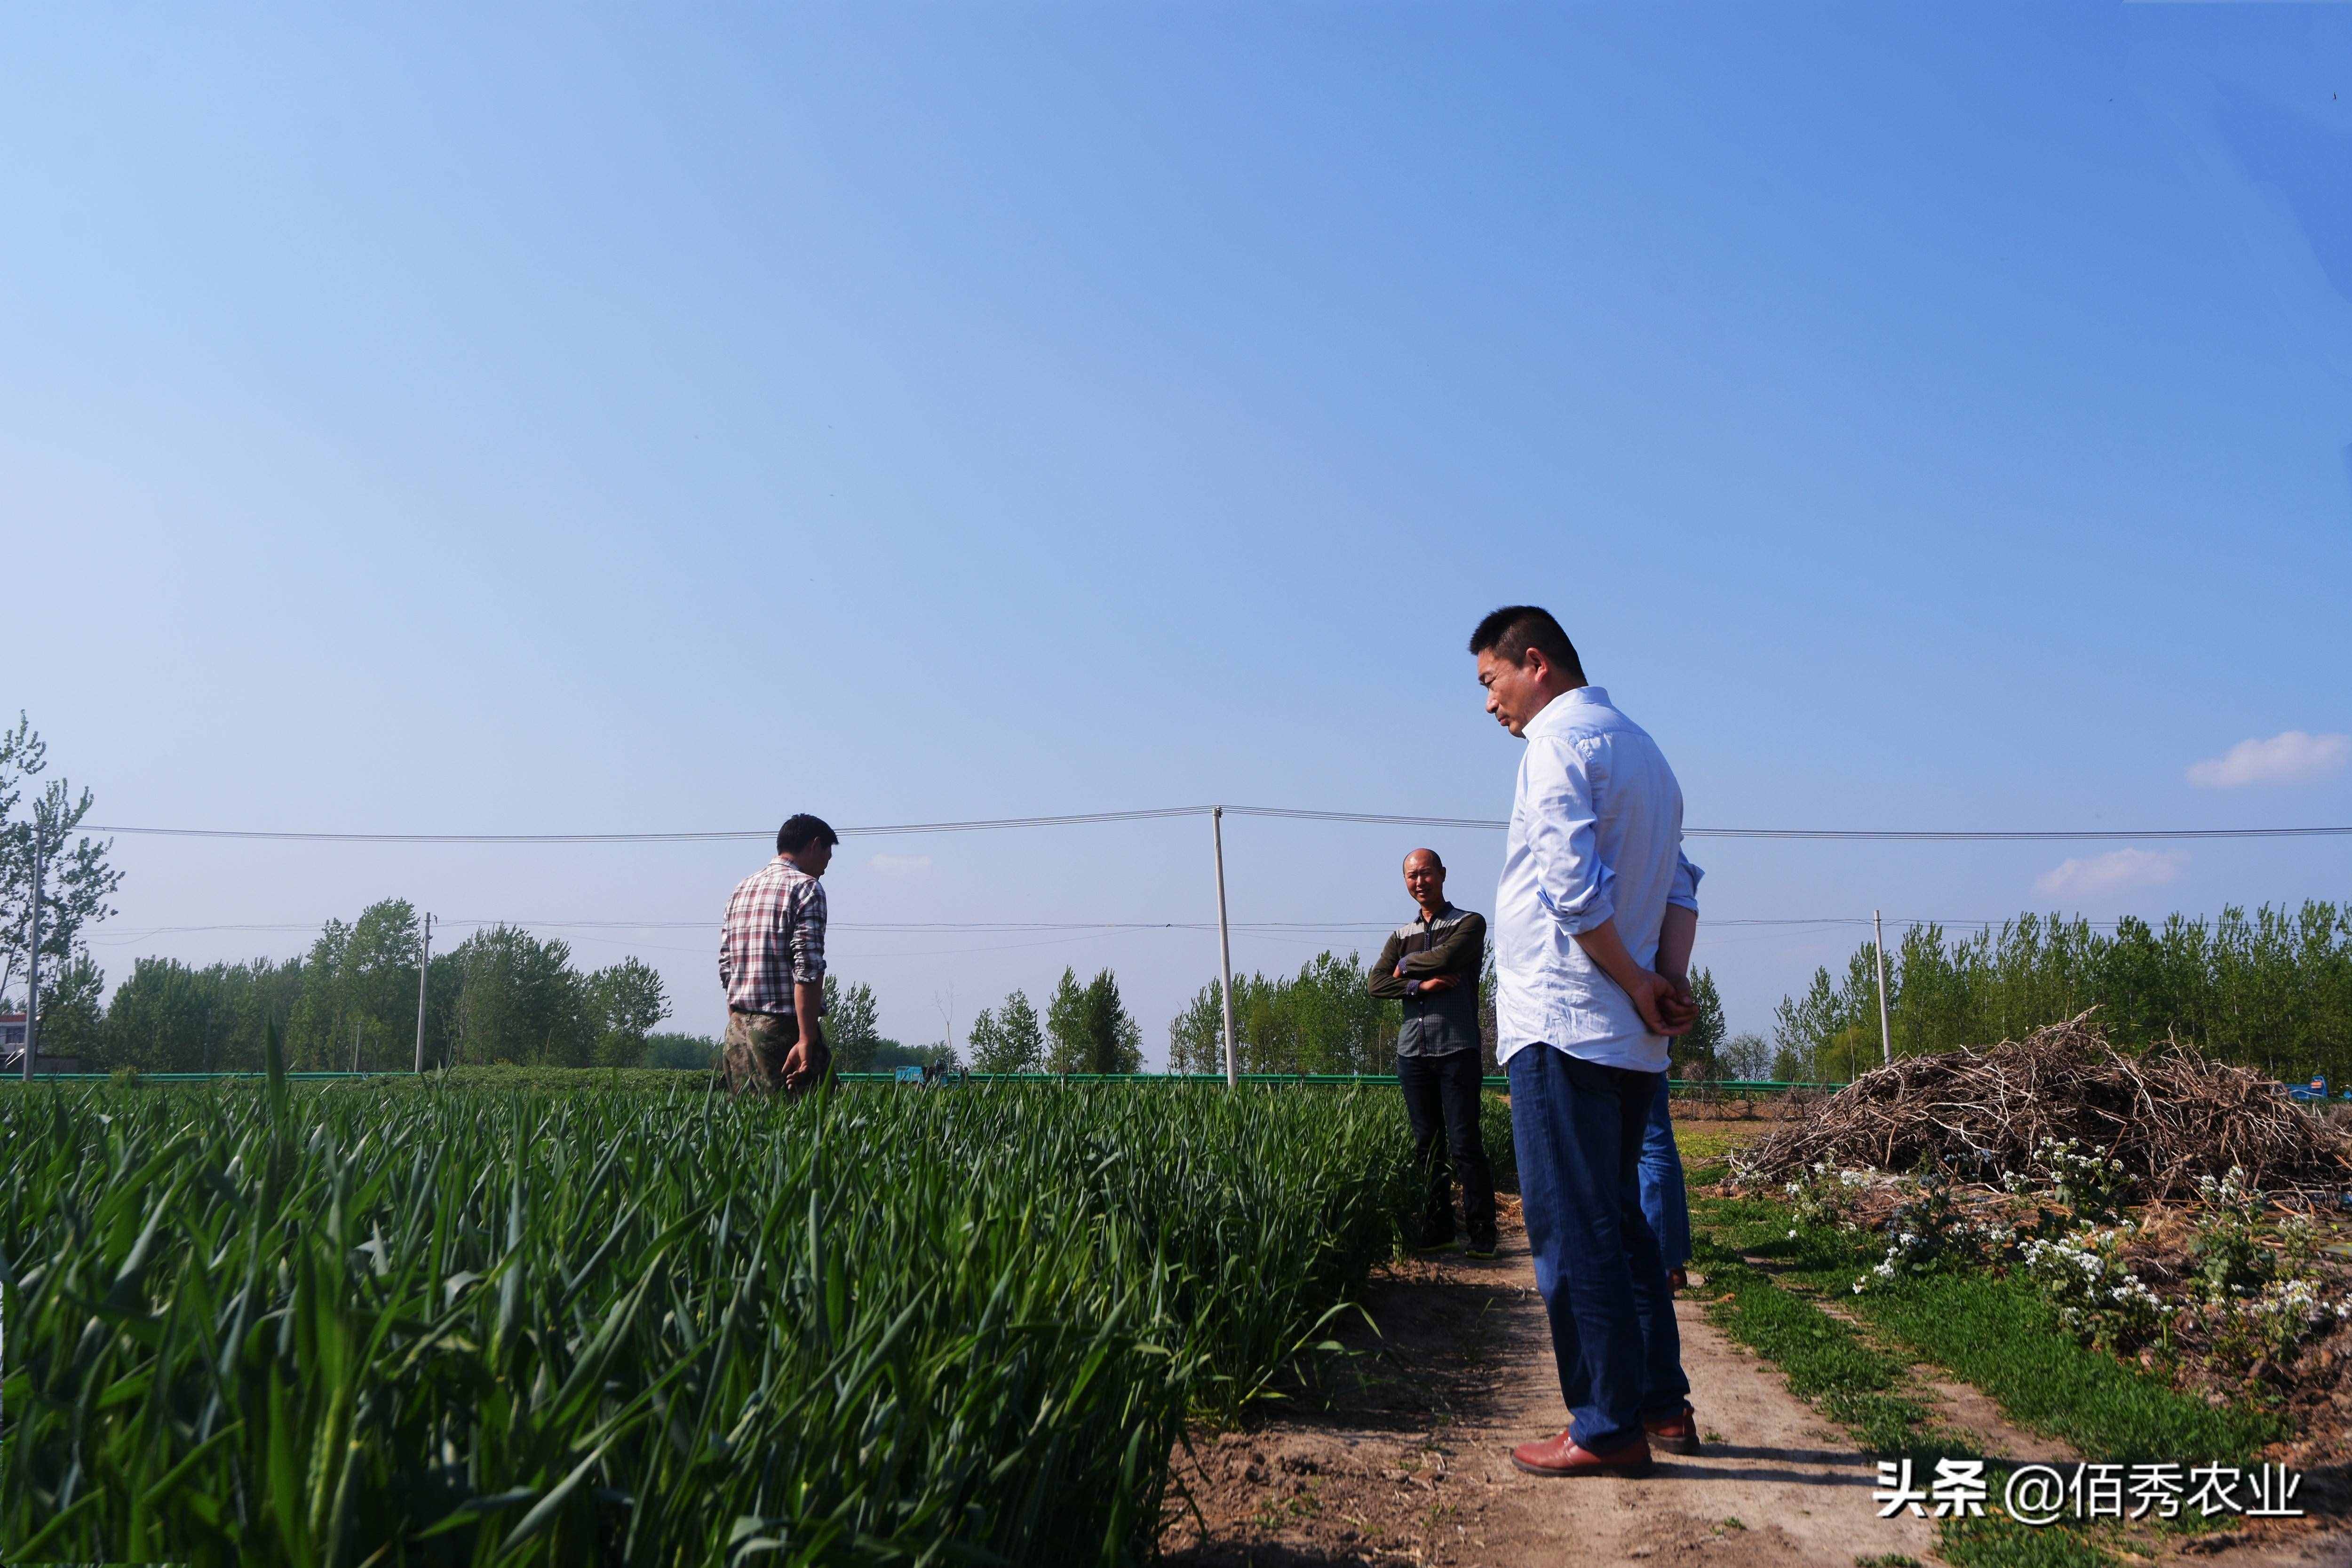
{"points": [[1403, 1454]]}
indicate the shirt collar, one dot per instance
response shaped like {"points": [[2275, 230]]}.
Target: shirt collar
{"points": [[1422, 920], [1583, 696]]}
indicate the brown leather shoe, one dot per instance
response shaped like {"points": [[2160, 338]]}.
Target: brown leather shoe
{"points": [[1677, 1281], [1561, 1455], [1676, 1433]]}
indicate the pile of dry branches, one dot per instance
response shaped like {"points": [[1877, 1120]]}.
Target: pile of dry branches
{"points": [[2170, 1116]]}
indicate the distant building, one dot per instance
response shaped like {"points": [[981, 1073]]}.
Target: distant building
{"points": [[12, 1050]]}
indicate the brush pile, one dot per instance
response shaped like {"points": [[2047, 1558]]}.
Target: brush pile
{"points": [[2170, 1116]]}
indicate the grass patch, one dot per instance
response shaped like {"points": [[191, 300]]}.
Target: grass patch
{"points": [[1825, 1361], [1996, 1333], [1706, 1146], [1999, 1334], [1868, 1391], [1996, 1543]]}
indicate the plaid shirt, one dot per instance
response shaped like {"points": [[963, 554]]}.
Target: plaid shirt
{"points": [[774, 936]]}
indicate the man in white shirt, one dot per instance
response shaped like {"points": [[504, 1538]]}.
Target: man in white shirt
{"points": [[1593, 925]]}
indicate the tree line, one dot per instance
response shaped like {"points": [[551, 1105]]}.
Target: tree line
{"points": [[1323, 1020], [500, 996], [1086, 1028], [2272, 990]]}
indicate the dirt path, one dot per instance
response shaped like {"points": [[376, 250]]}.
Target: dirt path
{"points": [[1401, 1457], [1410, 1461]]}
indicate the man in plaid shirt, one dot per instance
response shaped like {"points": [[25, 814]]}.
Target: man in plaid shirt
{"points": [[772, 961]]}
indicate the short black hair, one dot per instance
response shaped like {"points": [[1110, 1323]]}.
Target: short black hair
{"points": [[797, 831], [1515, 628]]}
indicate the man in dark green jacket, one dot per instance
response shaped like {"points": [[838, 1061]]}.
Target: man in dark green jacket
{"points": [[1432, 964]]}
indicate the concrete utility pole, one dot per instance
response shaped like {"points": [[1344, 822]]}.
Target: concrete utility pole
{"points": [[1224, 947], [33, 958], [1878, 945], [424, 963]]}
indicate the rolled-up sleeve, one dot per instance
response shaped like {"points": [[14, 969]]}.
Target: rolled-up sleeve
{"points": [[1571, 877], [1684, 892], [807, 904]]}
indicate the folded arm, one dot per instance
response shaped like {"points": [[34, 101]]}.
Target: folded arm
{"points": [[1456, 955], [1383, 979]]}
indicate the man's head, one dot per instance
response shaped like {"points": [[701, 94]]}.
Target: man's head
{"points": [[1524, 661], [1424, 878], [808, 841]]}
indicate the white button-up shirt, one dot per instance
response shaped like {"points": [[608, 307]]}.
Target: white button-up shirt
{"points": [[1596, 834]]}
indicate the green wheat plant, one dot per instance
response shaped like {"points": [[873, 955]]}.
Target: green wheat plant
{"points": [[253, 1325]]}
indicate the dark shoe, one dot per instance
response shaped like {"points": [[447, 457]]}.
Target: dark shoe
{"points": [[1480, 1251], [1677, 1281], [1561, 1455], [1676, 1431]]}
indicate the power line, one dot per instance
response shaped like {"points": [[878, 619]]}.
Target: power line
{"points": [[1878, 835], [118, 936], [716, 836]]}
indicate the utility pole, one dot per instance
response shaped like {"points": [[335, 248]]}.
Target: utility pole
{"points": [[424, 963], [33, 961], [1224, 946], [1878, 945]]}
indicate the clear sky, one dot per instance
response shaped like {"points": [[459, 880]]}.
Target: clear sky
{"points": [[461, 418]]}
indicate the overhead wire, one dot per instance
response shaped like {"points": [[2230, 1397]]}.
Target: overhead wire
{"points": [[1381, 819], [1073, 929]]}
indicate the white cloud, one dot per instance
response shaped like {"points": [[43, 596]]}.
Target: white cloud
{"points": [[901, 864], [2291, 758], [2117, 869]]}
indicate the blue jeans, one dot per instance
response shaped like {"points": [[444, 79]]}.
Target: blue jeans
{"points": [[1579, 1129], [1664, 1203]]}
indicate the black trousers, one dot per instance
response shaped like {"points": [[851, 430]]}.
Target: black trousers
{"points": [[1441, 1099]]}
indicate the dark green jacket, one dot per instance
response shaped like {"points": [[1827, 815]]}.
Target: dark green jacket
{"points": [[1436, 1023]]}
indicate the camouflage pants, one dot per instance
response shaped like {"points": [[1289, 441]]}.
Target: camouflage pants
{"points": [[757, 1044]]}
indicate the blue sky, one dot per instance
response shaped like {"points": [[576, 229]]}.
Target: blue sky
{"points": [[598, 419]]}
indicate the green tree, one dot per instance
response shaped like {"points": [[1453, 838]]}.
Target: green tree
{"points": [[359, 979], [170, 1017], [73, 1014], [1089, 1027], [1319, 1020], [1697, 1052], [2271, 989], [1801, 1029], [520, 1001], [75, 881], [624, 1001], [1007, 1039], [851, 1025], [1196, 1036], [1747, 1057], [684, 1052]]}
